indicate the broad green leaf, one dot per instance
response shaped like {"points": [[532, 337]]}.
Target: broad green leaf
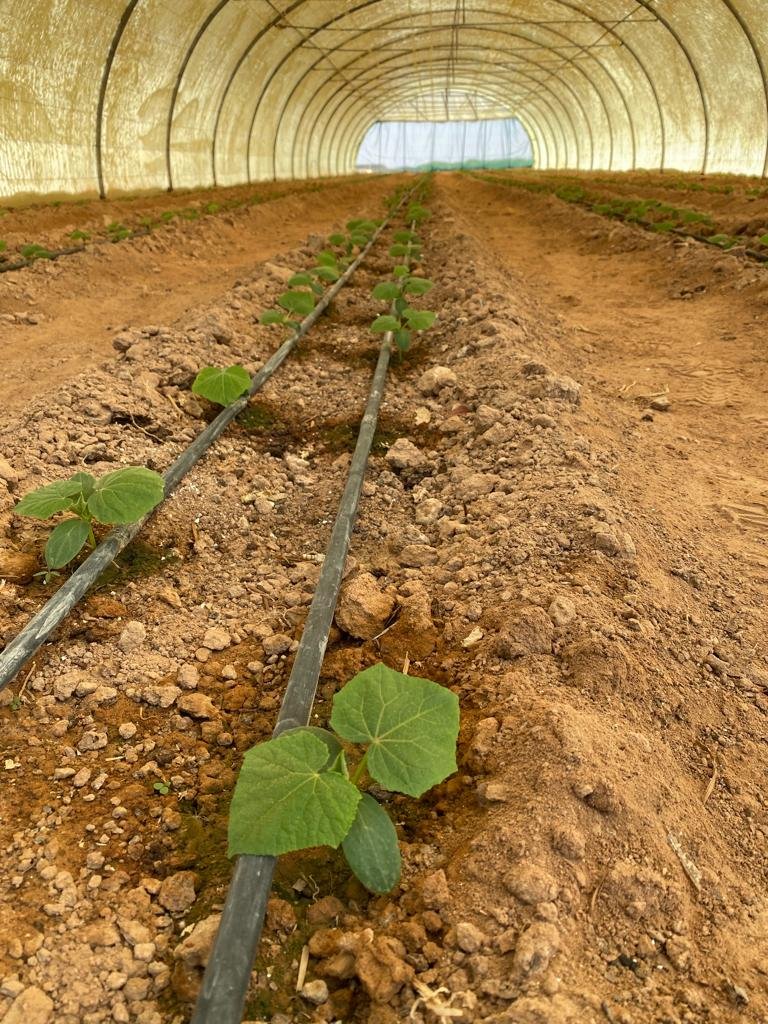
{"points": [[272, 316], [327, 273], [326, 259], [405, 237], [402, 339], [419, 319], [85, 483], [286, 799], [385, 323], [417, 286], [300, 279], [386, 290], [399, 250], [400, 306], [222, 385], [325, 736], [400, 271], [300, 303], [410, 724], [337, 239], [371, 847], [65, 542], [48, 500], [126, 495]]}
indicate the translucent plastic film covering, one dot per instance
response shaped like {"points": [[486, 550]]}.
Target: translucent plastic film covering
{"points": [[121, 95], [444, 145]]}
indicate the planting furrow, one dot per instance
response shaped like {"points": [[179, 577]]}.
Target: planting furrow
{"points": [[225, 984], [42, 625]]}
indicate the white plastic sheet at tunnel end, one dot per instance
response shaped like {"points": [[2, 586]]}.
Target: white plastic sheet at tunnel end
{"points": [[444, 145], [106, 96]]}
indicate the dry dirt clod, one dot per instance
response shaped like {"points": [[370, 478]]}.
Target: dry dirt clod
{"points": [[531, 884], [364, 609], [435, 379], [404, 455], [32, 1006]]}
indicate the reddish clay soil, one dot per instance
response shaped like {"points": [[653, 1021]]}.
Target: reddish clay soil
{"points": [[575, 539]]}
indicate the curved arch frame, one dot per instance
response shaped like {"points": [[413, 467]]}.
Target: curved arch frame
{"points": [[354, 116], [379, 25], [357, 95], [118, 35], [646, 5]]}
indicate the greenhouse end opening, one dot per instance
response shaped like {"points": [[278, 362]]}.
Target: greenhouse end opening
{"points": [[421, 146]]}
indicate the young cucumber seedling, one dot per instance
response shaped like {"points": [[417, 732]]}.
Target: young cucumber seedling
{"points": [[306, 286], [296, 791], [403, 320], [222, 386], [124, 496]]}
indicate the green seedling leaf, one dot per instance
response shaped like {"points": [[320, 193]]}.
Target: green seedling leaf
{"points": [[724, 241], [386, 291], [335, 752], [163, 788], [222, 386], [419, 319], [400, 306], [35, 252], [272, 316], [47, 501], [301, 279], [417, 286], [400, 271], [300, 303], [287, 799], [326, 259], [327, 273], [411, 725], [385, 323], [85, 482], [405, 237], [763, 239], [337, 239], [402, 339], [399, 250], [79, 236], [126, 495], [371, 847], [65, 542]]}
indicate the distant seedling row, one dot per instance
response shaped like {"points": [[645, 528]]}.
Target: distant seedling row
{"points": [[116, 231], [648, 213]]}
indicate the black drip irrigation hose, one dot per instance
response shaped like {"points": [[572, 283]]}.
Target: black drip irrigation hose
{"points": [[225, 983], [31, 638]]}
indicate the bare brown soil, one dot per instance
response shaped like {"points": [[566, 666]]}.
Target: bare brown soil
{"points": [[579, 551], [63, 315]]}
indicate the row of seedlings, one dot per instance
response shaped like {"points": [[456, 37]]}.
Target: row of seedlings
{"points": [[124, 499], [388, 732]]}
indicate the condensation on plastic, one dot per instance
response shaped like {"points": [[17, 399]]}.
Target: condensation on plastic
{"points": [[125, 95]]}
